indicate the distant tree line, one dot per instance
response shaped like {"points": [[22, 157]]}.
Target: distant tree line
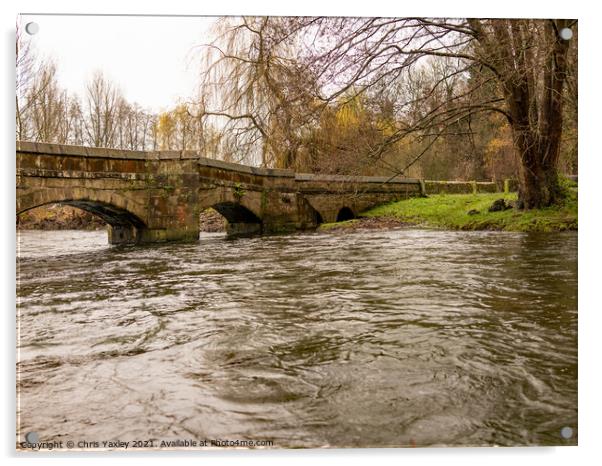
{"points": [[102, 117]]}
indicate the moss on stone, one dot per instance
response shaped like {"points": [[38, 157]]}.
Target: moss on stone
{"points": [[338, 225]]}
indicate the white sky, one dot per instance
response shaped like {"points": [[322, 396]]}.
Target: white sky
{"points": [[151, 59]]}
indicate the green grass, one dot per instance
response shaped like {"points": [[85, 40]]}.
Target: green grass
{"points": [[338, 225], [451, 211]]}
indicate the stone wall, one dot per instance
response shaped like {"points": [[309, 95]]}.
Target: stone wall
{"points": [[468, 187]]}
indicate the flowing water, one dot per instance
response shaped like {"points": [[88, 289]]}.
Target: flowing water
{"points": [[381, 338]]}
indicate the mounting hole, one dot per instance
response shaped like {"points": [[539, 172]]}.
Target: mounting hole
{"points": [[32, 28], [566, 432], [566, 33]]}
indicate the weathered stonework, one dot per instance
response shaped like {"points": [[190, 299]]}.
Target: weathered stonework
{"points": [[149, 197]]}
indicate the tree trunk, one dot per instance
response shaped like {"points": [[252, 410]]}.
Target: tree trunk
{"points": [[534, 101], [538, 184]]}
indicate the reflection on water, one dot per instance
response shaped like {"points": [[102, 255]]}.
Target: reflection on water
{"points": [[381, 338]]}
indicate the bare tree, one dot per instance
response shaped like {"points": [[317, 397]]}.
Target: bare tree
{"points": [[26, 69], [46, 104], [103, 100], [46, 112], [75, 117]]}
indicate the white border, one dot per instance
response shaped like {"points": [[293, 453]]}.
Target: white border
{"points": [[590, 143]]}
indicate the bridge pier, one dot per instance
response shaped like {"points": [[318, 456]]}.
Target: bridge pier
{"points": [[164, 235], [123, 234], [243, 229]]}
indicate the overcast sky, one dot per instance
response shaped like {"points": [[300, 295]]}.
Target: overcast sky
{"points": [[152, 59]]}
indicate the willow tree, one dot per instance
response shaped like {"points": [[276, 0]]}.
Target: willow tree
{"points": [[254, 89]]}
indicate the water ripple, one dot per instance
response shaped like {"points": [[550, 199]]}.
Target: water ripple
{"points": [[386, 338]]}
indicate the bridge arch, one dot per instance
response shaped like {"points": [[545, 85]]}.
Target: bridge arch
{"points": [[236, 213], [241, 219], [122, 216], [345, 213]]}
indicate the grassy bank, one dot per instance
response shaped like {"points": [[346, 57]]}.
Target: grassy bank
{"points": [[450, 211]]}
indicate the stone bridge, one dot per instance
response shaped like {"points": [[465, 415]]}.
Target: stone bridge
{"points": [[148, 197]]}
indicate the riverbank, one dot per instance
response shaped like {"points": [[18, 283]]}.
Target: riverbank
{"points": [[59, 217], [210, 221], [443, 211], [465, 212]]}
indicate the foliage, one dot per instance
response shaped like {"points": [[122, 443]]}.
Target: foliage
{"points": [[165, 130], [238, 191]]}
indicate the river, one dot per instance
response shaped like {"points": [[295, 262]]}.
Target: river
{"points": [[405, 337]]}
